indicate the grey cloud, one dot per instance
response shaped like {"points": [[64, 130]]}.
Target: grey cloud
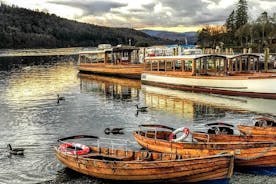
{"points": [[185, 13], [175, 13], [91, 7]]}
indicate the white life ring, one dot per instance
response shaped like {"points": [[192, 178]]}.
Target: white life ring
{"points": [[74, 148], [182, 137]]}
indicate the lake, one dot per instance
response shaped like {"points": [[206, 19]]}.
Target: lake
{"points": [[32, 119]]}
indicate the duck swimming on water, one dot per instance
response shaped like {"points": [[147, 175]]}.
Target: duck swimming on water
{"points": [[15, 151], [59, 98], [113, 131], [142, 109]]}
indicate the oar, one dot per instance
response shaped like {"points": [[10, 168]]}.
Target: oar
{"points": [[78, 137], [119, 130], [220, 124], [157, 126]]}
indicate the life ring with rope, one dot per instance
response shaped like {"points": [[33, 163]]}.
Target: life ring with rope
{"points": [[74, 148], [185, 131]]}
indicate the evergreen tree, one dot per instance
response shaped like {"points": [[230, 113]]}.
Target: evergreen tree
{"points": [[241, 14], [230, 22]]}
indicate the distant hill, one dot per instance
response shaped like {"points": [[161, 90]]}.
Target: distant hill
{"points": [[190, 37], [23, 28]]}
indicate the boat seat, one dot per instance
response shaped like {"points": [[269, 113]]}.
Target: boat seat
{"points": [[108, 157]]}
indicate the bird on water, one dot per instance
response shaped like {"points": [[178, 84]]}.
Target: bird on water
{"points": [[15, 151], [113, 131], [60, 98], [142, 109]]}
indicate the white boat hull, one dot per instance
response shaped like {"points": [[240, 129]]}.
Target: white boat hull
{"points": [[255, 87]]}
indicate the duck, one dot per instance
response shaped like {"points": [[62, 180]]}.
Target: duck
{"points": [[15, 151], [142, 109], [59, 98], [113, 131]]}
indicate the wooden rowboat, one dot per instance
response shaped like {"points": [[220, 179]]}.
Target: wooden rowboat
{"points": [[262, 126], [254, 130], [253, 157], [232, 138], [144, 166]]}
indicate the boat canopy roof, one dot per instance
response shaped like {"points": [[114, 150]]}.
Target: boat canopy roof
{"points": [[117, 48], [198, 56]]}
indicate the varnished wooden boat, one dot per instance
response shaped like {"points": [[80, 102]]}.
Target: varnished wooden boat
{"points": [[253, 157], [144, 166], [254, 130], [262, 126], [118, 61], [232, 138]]}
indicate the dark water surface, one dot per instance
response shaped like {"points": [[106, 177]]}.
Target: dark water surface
{"points": [[31, 118]]}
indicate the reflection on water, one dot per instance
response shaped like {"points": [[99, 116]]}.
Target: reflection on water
{"points": [[29, 86], [31, 118], [111, 87], [194, 105], [165, 100], [28, 113]]}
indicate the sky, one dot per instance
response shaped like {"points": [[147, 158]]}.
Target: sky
{"points": [[167, 15]]}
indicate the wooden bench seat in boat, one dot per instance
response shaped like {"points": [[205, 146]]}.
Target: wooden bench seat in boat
{"points": [[110, 157]]}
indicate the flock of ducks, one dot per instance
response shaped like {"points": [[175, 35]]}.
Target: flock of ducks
{"points": [[20, 151]]}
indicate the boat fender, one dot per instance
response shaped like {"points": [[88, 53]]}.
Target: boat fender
{"points": [[182, 137], [74, 148]]}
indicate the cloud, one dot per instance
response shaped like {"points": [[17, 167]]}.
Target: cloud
{"points": [[91, 7], [161, 13]]}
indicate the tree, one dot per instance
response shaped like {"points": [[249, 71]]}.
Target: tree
{"points": [[263, 21], [230, 22], [244, 34], [210, 36], [241, 14]]}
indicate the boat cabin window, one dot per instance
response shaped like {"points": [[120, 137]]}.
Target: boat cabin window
{"points": [[148, 65], [169, 65], [178, 65], [161, 65], [154, 65], [187, 65], [213, 65]]}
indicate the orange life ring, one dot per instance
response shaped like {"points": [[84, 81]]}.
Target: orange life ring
{"points": [[74, 148], [185, 131]]}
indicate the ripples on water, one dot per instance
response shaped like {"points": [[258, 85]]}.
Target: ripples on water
{"points": [[32, 119]]}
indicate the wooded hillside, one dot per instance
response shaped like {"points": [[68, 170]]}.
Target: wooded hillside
{"points": [[23, 28]]}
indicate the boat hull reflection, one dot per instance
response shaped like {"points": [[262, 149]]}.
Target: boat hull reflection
{"points": [[188, 100], [117, 88]]}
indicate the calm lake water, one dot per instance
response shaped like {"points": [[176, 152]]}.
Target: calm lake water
{"points": [[31, 118]]}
